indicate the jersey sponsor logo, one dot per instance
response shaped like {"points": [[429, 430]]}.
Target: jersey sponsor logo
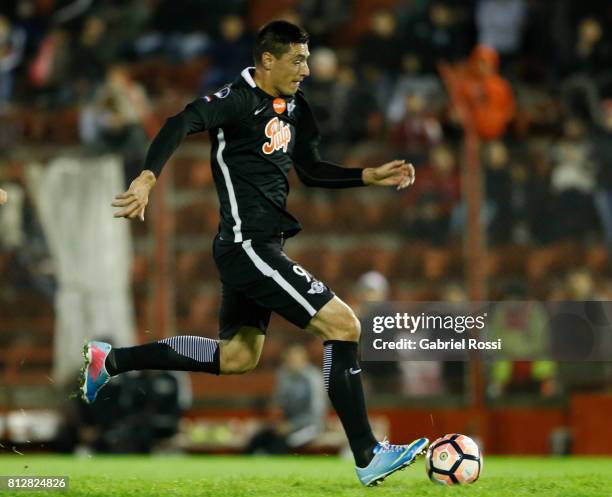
{"points": [[279, 105], [279, 135]]}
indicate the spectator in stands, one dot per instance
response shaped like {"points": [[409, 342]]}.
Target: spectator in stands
{"points": [[524, 330], [500, 25], [372, 299], [229, 54], [602, 147], [496, 165], [380, 48], [418, 130], [573, 181], [178, 36], [299, 406], [126, 22], [329, 99], [530, 198], [438, 35], [590, 53], [486, 97], [434, 377], [360, 102], [540, 34], [21, 237], [411, 81], [431, 203], [50, 69], [322, 18], [93, 52], [379, 53], [32, 22], [115, 120], [12, 45], [541, 214]]}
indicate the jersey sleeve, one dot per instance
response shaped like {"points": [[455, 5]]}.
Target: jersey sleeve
{"points": [[219, 109], [310, 168], [212, 111]]}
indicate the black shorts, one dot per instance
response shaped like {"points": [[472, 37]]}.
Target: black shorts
{"points": [[259, 278]]}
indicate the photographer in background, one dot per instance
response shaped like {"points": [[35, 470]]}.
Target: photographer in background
{"points": [[297, 415]]}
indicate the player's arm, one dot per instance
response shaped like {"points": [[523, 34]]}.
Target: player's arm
{"points": [[200, 115], [134, 201], [327, 175], [313, 171], [3, 196]]}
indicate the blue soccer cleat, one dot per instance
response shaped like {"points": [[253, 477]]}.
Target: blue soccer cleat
{"points": [[95, 375], [390, 458]]}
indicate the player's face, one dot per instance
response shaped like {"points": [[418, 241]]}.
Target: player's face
{"points": [[290, 69]]}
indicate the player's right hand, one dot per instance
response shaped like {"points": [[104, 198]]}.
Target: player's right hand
{"points": [[3, 196], [135, 200]]}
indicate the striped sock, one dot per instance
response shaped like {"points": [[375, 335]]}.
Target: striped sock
{"points": [[342, 378], [182, 353]]}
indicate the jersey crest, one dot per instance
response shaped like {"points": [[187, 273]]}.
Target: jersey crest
{"points": [[279, 136], [222, 93]]}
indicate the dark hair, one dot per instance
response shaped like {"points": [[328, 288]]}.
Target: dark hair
{"points": [[275, 37]]}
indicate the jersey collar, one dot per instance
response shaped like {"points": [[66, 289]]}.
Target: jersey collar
{"points": [[246, 76]]}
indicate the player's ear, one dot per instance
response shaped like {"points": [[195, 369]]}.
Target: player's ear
{"points": [[266, 60]]}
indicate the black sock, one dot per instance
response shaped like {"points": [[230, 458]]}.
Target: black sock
{"points": [[341, 373], [182, 353]]}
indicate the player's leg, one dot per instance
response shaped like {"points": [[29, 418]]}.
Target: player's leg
{"points": [[242, 325], [287, 288], [237, 354], [291, 291], [340, 329]]}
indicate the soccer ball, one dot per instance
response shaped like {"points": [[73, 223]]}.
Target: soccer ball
{"points": [[453, 459]]}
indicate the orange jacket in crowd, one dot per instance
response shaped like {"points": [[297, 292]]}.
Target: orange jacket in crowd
{"points": [[487, 95]]}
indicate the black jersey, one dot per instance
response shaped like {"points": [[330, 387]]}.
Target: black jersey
{"points": [[256, 138]]}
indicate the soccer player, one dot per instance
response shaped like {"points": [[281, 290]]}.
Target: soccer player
{"points": [[260, 125]]}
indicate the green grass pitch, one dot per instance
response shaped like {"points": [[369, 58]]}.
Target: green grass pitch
{"points": [[297, 476]]}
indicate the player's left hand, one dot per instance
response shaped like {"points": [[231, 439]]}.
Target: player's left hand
{"points": [[395, 173], [3, 196]]}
